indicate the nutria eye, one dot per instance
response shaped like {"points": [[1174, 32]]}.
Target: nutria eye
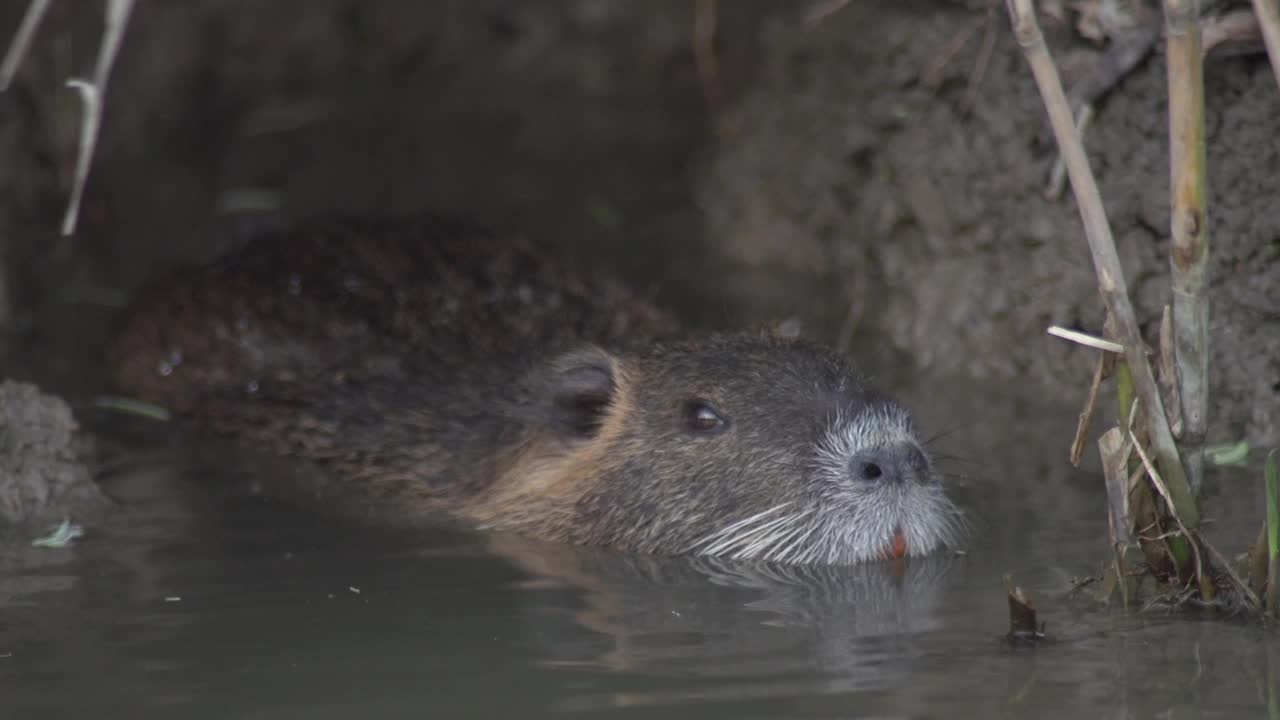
{"points": [[703, 418]]}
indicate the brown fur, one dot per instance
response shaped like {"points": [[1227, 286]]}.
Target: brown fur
{"points": [[436, 368]]}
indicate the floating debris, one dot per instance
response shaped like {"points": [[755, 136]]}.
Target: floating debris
{"points": [[1023, 628], [61, 537]]}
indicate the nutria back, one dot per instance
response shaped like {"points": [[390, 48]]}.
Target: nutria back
{"points": [[363, 298], [436, 368]]}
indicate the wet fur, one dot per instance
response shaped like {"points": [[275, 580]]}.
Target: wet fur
{"points": [[439, 369]]}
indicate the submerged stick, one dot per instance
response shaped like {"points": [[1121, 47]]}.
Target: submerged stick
{"points": [[1024, 628], [1268, 12], [1111, 283], [1189, 221]]}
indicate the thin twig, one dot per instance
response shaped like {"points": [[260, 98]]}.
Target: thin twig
{"points": [[1058, 178], [91, 95], [22, 41], [1189, 221], [1268, 12], [1111, 283], [1101, 369], [979, 70]]}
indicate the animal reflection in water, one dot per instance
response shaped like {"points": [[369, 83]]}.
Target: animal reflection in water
{"points": [[710, 617]]}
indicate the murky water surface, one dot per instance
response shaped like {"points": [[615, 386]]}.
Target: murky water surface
{"points": [[203, 599]]}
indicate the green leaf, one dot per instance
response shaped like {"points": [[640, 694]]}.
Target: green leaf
{"points": [[1233, 454]]}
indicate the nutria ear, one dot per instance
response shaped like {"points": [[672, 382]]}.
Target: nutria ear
{"points": [[582, 386]]}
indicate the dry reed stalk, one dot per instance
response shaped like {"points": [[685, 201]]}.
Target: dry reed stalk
{"points": [[1189, 222], [1106, 261]]}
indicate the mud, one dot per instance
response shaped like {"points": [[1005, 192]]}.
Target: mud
{"points": [[848, 182], [846, 163], [44, 471], [564, 120]]}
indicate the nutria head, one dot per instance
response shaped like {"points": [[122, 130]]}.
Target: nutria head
{"points": [[736, 446]]}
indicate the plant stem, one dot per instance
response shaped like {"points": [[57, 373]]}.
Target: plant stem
{"points": [[1106, 261], [1189, 221]]}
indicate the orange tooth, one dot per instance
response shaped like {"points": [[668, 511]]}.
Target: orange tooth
{"points": [[899, 544]]}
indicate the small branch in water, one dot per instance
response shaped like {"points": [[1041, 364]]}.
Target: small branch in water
{"points": [[1023, 626]]}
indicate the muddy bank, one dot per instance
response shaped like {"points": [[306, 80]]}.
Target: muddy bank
{"points": [[573, 121], [849, 181], [857, 159], [44, 475]]}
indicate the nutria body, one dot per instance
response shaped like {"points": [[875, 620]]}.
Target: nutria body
{"points": [[434, 368]]}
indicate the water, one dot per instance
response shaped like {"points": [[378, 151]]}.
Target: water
{"points": [[202, 598]]}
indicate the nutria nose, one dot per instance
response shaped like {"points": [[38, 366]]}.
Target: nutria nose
{"points": [[895, 463]]}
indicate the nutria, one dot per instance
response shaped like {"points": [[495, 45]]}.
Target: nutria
{"points": [[434, 367]]}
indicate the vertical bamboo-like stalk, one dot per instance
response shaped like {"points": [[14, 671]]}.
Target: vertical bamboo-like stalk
{"points": [[1268, 13], [1189, 223], [1115, 293]]}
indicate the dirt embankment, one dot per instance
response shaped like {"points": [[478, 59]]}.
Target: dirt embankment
{"points": [[849, 169], [44, 477], [846, 162]]}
